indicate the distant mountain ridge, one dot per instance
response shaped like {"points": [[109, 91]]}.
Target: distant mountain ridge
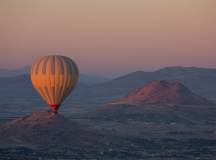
{"points": [[14, 72], [84, 78], [92, 79], [163, 92], [201, 81], [165, 73]]}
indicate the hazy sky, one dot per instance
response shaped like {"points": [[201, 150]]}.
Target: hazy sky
{"points": [[109, 36]]}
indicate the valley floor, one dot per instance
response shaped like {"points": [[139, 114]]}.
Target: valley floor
{"points": [[131, 132]]}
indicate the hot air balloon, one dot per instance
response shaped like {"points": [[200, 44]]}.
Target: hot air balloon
{"points": [[54, 77]]}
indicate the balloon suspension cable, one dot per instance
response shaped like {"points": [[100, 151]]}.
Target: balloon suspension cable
{"points": [[55, 112]]}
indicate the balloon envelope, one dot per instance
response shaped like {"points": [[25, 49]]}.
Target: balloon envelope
{"points": [[54, 77]]}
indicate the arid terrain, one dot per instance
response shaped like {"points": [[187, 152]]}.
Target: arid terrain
{"points": [[102, 120]]}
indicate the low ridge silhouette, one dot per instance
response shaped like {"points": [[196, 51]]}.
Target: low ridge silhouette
{"points": [[44, 129]]}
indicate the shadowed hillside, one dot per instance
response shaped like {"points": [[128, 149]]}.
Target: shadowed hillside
{"points": [[200, 80]]}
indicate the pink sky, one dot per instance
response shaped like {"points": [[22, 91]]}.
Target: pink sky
{"points": [[109, 36]]}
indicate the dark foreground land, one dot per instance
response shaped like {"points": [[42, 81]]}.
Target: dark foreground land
{"points": [[149, 132]]}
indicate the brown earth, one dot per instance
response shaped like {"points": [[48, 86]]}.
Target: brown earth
{"points": [[164, 92]]}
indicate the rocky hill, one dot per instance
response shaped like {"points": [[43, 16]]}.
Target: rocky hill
{"points": [[44, 129], [164, 92]]}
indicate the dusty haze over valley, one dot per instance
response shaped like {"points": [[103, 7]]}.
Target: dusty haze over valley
{"points": [[107, 80]]}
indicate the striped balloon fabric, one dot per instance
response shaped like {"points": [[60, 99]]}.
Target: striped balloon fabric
{"points": [[54, 77]]}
